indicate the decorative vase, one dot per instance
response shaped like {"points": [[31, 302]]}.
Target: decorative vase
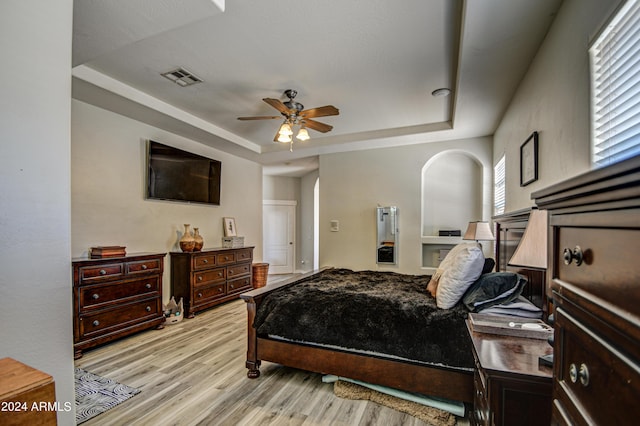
{"points": [[187, 243], [199, 242]]}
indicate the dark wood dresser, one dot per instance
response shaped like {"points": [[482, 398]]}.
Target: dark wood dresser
{"points": [[114, 297], [594, 272], [209, 277]]}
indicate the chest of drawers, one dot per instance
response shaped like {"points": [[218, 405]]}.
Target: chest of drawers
{"points": [[594, 273], [209, 277], [115, 297]]}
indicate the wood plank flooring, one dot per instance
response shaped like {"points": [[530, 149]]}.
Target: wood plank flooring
{"points": [[193, 373]]}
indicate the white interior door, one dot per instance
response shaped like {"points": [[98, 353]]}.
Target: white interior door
{"points": [[279, 224]]}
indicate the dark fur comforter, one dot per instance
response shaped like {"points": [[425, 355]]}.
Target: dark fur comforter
{"points": [[381, 312]]}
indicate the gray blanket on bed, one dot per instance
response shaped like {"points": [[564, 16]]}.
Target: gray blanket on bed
{"points": [[381, 312]]}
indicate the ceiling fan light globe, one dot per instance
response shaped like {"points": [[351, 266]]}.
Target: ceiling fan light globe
{"points": [[303, 134], [285, 129], [284, 138]]}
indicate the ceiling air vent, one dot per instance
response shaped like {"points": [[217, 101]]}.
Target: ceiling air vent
{"points": [[182, 77]]}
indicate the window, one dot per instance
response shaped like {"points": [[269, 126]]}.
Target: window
{"points": [[615, 87], [499, 187]]}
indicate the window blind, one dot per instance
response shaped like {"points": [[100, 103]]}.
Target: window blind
{"points": [[499, 187], [615, 87]]}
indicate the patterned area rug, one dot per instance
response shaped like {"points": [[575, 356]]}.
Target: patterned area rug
{"points": [[431, 416], [96, 394]]}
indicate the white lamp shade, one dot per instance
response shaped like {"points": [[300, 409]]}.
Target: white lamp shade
{"points": [[284, 138], [285, 129], [478, 231], [532, 250], [303, 134]]}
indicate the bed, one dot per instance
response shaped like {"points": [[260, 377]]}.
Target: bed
{"points": [[432, 354]]}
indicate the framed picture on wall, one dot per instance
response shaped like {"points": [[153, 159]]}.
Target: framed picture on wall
{"points": [[229, 227], [529, 160]]}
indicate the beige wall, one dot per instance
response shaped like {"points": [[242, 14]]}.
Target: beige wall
{"points": [[353, 184], [553, 99], [35, 278], [108, 205]]}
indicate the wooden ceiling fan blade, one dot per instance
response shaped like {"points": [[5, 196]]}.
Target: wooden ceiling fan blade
{"points": [[317, 126], [263, 117], [324, 111], [277, 104]]}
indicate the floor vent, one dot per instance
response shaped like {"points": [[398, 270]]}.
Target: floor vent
{"points": [[182, 77]]}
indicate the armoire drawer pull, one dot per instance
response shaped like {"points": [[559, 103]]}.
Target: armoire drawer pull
{"points": [[95, 296], [96, 323], [148, 308], [103, 272], [144, 266], [583, 375], [147, 285], [573, 255], [205, 261]]}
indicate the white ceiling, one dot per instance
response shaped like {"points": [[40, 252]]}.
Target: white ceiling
{"points": [[377, 61]]}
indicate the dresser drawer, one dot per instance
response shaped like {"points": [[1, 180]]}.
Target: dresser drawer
{"points": [[238, 270], [244, 254], [204, 278], [89, 274], [120, 317], [204, 294], [204, 261], [144, 266], [99, 296], [595, 383], [239, 285], [226, 258], [604, 262]]}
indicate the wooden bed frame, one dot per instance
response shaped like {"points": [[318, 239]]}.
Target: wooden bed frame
{"points": [[436, 381]]}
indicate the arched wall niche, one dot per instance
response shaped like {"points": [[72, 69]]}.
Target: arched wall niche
{"points": [[453, 194]]}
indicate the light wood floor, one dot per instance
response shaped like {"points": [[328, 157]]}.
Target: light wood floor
{"points": [[193, 373]]}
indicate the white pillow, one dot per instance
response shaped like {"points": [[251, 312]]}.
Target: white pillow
{"points": [[460, 268]]}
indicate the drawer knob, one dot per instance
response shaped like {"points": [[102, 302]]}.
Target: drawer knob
{"points": [[573, 373], [95, 296], [148, 308], [144, 266], [148, 285], [199, 277], [573, 255], [205, 261], [96, 323], [583, 375], [103, 272], [199, 294]]}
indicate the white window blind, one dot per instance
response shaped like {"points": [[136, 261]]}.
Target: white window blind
{"points": [[615, 87], [499, 187]]}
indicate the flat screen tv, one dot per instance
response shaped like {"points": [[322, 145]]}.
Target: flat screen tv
{"points": [[177, 175]]}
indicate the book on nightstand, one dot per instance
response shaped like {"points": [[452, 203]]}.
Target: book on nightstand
{"points": [[510, 326]]}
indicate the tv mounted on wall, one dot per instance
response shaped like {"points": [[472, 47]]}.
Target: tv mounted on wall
{"points": [[177, 175]]}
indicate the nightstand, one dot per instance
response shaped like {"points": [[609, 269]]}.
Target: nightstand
{"points": [[511, 388]]}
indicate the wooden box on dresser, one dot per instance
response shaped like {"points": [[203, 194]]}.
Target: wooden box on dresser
{"points": [[114, 297], [594, 246], [209, 277]]}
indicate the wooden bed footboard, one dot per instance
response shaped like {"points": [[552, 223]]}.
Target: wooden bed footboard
{"points": [[440, 382]]}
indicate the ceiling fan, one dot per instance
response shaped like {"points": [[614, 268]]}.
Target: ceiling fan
{"points": [[295, 115]]}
